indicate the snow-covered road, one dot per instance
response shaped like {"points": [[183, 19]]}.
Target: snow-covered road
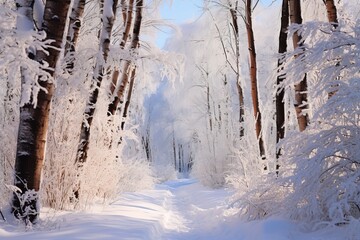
{"points": [[176, 210]]}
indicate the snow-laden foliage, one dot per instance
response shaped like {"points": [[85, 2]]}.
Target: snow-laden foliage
{"points": [[111, 167], [201, 124], [239, 155], [14, 47], [319, 170], [164, 173], [116, 160], [199, 117], [325, 162], [9, 115]]}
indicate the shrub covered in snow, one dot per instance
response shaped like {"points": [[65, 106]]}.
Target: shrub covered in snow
{"points": [[320, 169]]}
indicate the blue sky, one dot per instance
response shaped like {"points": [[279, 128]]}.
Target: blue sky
{"points": [[181, 11]]}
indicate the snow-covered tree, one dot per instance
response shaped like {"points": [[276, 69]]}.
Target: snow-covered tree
{"points": [[35, 109], [319, 174]]}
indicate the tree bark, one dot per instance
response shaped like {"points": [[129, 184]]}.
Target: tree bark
{"points": [[233, 13], [209, 107], [300, 88], [331, 12], [34, 119], [128, 99], [174, 151], [105, 35], [127, 23], [332, 17], [280, 104], [127, 12], [74, 26], [120, 92], [253, 76]]}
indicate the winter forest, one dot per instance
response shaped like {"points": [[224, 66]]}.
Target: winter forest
{"points": [[244, 125]]}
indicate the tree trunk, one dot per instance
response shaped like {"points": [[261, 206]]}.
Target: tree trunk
{"points": [[127, 12], [280, 104], [128, 99], [34, 119], [332, 17], [120, 92], [209, 106], [74, 26], [235, 26], [301, 87], [108, 19], [253, 77], [331, 12], [174, 152], [127, 23]]}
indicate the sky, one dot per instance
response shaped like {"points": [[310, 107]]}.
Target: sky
{"points": [[178, 12], [182, 11]]}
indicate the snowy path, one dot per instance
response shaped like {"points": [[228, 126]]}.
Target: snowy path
{"points": [[180, 209], [176, 210], [199, 209]]}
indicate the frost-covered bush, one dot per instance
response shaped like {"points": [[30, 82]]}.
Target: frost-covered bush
{"points": [[8, 116], [320, 169], [324, 160], [213, 157], [135, 175], [251, 176], [203, 105], [107, 171], [164, 172]]}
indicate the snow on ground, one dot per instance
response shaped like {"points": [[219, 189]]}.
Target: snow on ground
{"points": [[176, 210]]}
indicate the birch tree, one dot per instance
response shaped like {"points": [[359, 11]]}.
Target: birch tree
{"points": [[331, 12], [333, 19], [108, 19], [127, 13], [280, 105], [126, 74], [253, 76], [301, 87], [235, 28], [34, 115], [73, 32], [128, 98]]}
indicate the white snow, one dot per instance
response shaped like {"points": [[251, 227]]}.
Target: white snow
{"points": [[179, 209]]}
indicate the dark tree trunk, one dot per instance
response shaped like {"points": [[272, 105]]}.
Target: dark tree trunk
{"points": [[331, 12], [108, 23], [120, 93], [174, 152], [300, 88], [280, 104], [128, 99], [74, 26], [332, 17], [127, 12], [209, 106], [34, 119], [253, 77], [127, 24], [235, 26]]}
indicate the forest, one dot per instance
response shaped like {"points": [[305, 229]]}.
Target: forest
{"points": [[260, 98]]}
